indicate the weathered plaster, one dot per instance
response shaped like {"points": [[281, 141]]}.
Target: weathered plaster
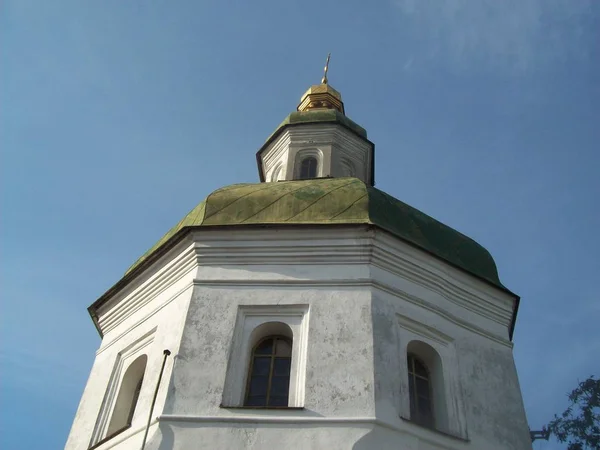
{"points": [[363, 311], [339, 153]]}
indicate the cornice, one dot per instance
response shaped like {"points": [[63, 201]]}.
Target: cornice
{"points": [[336, 137], [359, 157], [422, 329], [273, 154], [393, 257], [344, 246], [124, 304], [445, 288]]}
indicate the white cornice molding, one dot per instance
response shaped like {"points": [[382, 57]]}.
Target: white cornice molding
{"points": [[422, 329], [444, 314], [303, 236], [273, 153], [327, 132], [383, 251], [456, 286], [310, 247], [356, 157], [127, 302], [106, 344], [428, 279]]}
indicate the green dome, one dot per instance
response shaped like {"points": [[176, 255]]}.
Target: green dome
{"points": [[335, 201], [320, 116]]}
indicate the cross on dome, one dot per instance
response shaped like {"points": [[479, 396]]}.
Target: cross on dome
{"points": [[322, 96]]}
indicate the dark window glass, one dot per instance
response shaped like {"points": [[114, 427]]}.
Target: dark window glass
{"points": [[261, 365], [269, 375], [411, 389], [419, 386], [256, 401], [278, 401], [422, 388], [420, 369], [308, 168], [281, 367], [280, 386], [264, 348], [258, 386]]}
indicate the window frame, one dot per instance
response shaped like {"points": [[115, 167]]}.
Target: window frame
{"points": [[273, 356], [303, 154], [415, 414], [312, 160], [249, 320], [124, 358], [127, 394]]}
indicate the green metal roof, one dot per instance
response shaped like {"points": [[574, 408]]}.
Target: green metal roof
{"points": [[335, 201], [318, 116]]}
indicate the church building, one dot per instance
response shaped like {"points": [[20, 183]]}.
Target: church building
{"points": [[308, 311]]}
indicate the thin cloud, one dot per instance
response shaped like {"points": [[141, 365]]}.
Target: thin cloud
{"points": [[514, 34]]}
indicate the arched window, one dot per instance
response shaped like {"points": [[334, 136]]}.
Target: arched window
{"points": [[426, 386], [420, 392], [129, 393], [308, 168], [269, 372]]}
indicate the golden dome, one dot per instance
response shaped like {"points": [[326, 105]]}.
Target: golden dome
{"points": [[322, 96]]}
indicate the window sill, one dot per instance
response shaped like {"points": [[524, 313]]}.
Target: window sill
{"points": [[262, 408], [109, 437], [435, 430]]}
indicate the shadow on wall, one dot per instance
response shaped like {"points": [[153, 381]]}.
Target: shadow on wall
{"points": [[162, 439], [380, 438]]}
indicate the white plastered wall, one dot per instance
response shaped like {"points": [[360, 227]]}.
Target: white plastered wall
{"points": [[150, 311], [339, 153], [364, 304]]}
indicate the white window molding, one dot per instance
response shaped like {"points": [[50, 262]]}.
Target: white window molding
{"points": [[251, 318], [347, 168], [276, 174], [124, 358], [306, 153], [448, 403]]}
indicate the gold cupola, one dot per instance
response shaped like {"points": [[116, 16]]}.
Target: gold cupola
{"points": [[322, 96]]}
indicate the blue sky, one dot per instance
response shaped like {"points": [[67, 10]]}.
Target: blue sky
{"points": [[117, 117]]}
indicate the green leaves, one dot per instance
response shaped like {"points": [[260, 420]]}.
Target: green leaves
{"points": [[579, 424]]}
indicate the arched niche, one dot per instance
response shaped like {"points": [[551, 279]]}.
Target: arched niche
{"points": [[129, 392]]}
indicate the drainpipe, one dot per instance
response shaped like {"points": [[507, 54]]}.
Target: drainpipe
{"points": [[162, 369]]}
